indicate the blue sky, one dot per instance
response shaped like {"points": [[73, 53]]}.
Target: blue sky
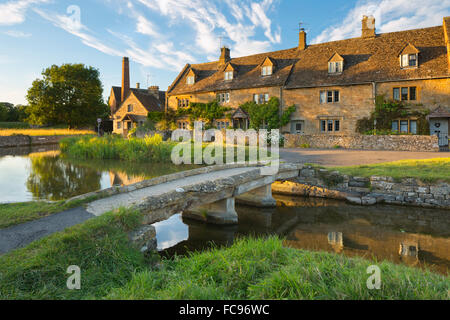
{"points": [[161, 36]]}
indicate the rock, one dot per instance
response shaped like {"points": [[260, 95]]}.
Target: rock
{"points": [[354, 200]]}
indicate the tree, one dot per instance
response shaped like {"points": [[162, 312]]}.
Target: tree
{"points": [[8, 112], [70, 94]]}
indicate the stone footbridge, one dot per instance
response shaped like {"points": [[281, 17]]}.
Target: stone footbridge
{"points": [[207, 194]]}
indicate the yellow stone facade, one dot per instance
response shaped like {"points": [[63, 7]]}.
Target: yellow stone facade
{"points": [[122, 127]]}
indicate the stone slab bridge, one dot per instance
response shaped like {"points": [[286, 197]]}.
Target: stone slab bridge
{"points": [[207, 193]]}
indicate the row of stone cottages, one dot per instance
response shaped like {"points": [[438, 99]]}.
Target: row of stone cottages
{"points": [[331, 84]]}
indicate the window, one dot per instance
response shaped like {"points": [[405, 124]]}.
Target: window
{"points": [[261, 98], [223, 97], [329, 96], [228, 75], [183, 125], [130, 108], [183, 103], [119, 125], [330, 125], [409, 60], [405, 94], [266, 71], [404, 126], [190, 80], [129, 125], [335, 67]]}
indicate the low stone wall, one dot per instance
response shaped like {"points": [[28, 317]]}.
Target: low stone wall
{"points": [[364, 142], [23, 140], [322, 183]]}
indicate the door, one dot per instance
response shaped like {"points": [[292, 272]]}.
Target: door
{"points": [[439, 127]]}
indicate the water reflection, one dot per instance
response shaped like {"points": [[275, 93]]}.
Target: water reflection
{"points": [[413, 236], [48, 176]]}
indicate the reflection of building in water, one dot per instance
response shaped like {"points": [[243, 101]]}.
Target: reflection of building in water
{"points": [[409, 249], [123, 179], [336, 240]]}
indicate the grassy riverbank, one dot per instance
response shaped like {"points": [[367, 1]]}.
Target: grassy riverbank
{"points": [[44, 132], [16, 213], [149, 149], [430, 170], [250, 269]]}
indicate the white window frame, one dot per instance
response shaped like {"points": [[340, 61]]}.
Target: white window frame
{"points": [[228, 75], [266, 71], [190, 80], [406, 58], [323, 98], [335, 67]]}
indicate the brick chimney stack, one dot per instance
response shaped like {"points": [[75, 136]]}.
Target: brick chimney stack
{"points": [[125, 78], [224, 55], [368, 27], [302, 39], [138, 85], [154, 91]]}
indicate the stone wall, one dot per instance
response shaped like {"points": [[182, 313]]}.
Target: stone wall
{"points": [[363, 142], [23, 140], [322, 183]]}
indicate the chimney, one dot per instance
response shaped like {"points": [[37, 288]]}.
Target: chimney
{"points": [[368, 27], [125, 78], [302, 39], [446, 26], [224, 55], [138, 85], [154, 91]]}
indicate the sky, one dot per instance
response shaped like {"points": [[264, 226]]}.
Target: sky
{"points": [[161, 36]]}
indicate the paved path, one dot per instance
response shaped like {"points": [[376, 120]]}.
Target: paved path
{"points": [[125, 199], [353, 157], [23, 234]]}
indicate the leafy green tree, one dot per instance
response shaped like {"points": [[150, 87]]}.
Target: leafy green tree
{"points": [[267, 114], [8, 112], [70, 94]]}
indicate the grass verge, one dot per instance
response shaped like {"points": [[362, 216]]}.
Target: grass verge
{"points": [[16, 213], [99, 247], [430, 170], [264, 269], [44, 132]]}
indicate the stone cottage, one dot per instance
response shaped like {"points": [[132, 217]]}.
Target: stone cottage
{"points": [[331, 84], [130, 106]]}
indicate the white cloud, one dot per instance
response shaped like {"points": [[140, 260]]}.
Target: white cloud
{"points": [[17, 34], [210, 24], [13, 12], [390, 15]]}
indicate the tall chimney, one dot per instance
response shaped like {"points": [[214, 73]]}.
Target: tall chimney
{"points": [[368, 27], [446, 26], [302, 39], [125, 78], [138, 85], [224, 55]]}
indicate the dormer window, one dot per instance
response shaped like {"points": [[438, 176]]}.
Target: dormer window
{"points": [[190, 80], [228, 75], [266, 71], [409, 57], [336, 64], [335, 67], [409, 60]]}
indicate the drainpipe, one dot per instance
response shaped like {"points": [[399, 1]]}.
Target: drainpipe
{"points": [[374, 96]]}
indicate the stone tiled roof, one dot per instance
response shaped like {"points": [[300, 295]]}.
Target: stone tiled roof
{"points": [[365, 60], [150, 102]]}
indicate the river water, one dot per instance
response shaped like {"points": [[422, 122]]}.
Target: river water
{"points": [[404, 235]]}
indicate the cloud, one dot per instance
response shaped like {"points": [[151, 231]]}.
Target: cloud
{"points": [[17, 34], [74, 26], [13, 12], [209, 22], [390, 15]]}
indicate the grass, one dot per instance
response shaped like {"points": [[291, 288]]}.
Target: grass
{"points": [[99, 247], [14, 125], [44, 132], [265, 269], [16, 213], [250, 269], [430, 170], [149, 149]]}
